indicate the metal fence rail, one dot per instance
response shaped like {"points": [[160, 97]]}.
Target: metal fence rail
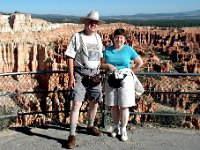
{"points": [[36, 98]]}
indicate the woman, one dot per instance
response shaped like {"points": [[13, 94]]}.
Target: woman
{"points": [[121, 60]]}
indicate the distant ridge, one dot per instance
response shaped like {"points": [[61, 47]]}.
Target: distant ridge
{"points": [[140, 16], [175, 16], [54, 16]]}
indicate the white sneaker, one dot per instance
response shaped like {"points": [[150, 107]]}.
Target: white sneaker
{"points": [[124, 136], [115, 132]]}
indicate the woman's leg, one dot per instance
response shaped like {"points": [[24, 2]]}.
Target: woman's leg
{"points": [[115, 115], [116, 120], [124, 115]]}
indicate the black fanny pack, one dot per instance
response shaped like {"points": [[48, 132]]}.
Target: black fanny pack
{"points": [[114, 80], [90, 80]]}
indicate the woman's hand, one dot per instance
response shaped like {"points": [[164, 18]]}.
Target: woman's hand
{"points": [[137, 64], [111, 67], [108, 67]]}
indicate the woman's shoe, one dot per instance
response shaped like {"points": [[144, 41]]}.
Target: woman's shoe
{"points": [[115, 132], [124, 136]]}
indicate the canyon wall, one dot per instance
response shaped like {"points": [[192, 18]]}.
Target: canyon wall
{"points": [[25, 41], [29, 44]]}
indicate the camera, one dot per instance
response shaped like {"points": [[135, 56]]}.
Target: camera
{"points": [[118, 75]]}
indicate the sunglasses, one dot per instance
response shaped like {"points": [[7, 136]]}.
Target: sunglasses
{"points": [[92, 22]]}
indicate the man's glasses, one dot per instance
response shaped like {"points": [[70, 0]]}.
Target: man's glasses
{"points": [[92, 22]]}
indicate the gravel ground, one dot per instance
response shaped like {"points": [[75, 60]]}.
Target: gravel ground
{"points": [[53, 137]]}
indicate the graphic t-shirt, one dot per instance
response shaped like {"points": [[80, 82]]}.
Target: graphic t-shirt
{"points": [[87, 50]]}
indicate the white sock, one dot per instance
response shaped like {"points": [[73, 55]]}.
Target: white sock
{"points": [[90, 122], [72, 129], [117, 126], [123, 129]]}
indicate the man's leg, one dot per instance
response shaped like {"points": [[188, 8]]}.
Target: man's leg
{"points": [[93, 106], [74, 114], [76, 105]]}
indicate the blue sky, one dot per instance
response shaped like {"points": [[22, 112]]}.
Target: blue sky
{"points": [[105, 7]]}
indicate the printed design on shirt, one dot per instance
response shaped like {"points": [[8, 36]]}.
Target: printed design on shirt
{"points": [[93, 52]]}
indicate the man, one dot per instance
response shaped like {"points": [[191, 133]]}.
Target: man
{"points": [[84, 53]]}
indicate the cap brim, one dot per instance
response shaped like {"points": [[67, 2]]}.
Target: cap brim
{"points": [[83, 19]]}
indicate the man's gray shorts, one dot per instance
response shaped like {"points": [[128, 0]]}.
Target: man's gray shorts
{"points": [[80, 91]]}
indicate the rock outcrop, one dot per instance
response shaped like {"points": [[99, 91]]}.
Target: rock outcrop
{"points": [[23, 23]]}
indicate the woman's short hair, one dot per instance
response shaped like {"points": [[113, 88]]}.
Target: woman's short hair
{"points": [[119, 31]]}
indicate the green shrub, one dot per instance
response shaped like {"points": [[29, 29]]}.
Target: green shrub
{"points": [[168, 117], [6, 121]]}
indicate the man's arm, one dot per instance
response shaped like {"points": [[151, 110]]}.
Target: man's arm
{"points": [[71, 73]]}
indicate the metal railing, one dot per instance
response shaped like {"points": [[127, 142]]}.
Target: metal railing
{"points": [[35, 98]]}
